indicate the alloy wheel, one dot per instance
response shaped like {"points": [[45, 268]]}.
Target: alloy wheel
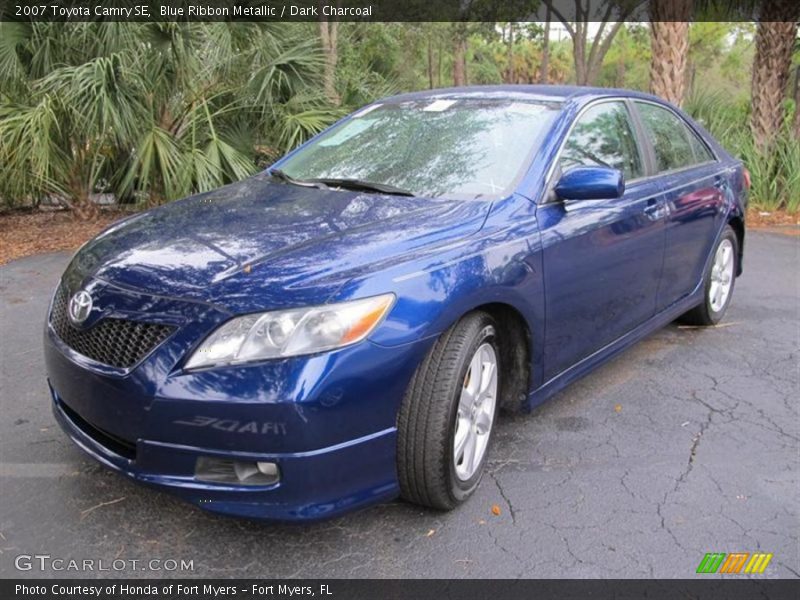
{"points": [[476, 409], [721, 276]]}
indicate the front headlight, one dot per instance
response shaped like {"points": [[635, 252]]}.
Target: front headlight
{"points": [[294, 332]]}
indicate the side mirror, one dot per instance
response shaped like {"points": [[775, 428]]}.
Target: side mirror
{"points": [[591, 183]]}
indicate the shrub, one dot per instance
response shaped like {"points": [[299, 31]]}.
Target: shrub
{"points": [[775, 173]]}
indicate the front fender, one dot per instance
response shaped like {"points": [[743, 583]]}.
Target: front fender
{"points": [[500, 265]]}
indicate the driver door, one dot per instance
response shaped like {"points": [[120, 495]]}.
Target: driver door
{"points": [[602, 258]]}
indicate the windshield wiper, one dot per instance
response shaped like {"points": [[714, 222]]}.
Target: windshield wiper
{"points": [[286, 178], [359, 184]]}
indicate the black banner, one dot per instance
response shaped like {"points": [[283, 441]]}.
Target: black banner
{"points": [[415, 589], [383, 10]]}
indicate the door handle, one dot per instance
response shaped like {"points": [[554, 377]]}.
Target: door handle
{"points": [[653, 209]]}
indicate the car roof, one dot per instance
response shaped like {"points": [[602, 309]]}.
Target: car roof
{"points": [[552, 93]]}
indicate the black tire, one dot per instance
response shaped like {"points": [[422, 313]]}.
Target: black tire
{"points": [[426, 421], [703, 315]]}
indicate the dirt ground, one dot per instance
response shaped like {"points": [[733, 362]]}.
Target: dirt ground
{"points": [[758, 219], [35, 232]]}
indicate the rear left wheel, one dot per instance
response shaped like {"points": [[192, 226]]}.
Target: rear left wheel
{"points": [[447, 416], [719, 281]]}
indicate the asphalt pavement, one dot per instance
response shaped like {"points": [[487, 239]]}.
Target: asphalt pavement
{"points": [[687, 443]]}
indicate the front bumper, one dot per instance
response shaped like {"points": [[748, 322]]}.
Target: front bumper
{"points": [[314, 485], [328, 421]]}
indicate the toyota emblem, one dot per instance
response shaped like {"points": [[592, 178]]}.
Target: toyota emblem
{"points": [[80, 305]]}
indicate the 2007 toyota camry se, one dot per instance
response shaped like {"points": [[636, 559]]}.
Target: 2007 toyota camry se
{"points": [[344, 327]]}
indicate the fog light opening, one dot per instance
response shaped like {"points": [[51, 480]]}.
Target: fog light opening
{"points": [[268, 468], [236, 472]]}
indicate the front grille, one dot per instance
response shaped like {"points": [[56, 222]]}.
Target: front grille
{"points": [[116, 342], [117, 445]]}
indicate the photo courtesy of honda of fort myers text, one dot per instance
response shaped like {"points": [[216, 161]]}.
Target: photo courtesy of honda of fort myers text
{"points": [[132, 589], [350, 299]]}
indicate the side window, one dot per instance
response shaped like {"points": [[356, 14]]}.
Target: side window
{"points": [[675, 145], [701, 152], [603, 136]]}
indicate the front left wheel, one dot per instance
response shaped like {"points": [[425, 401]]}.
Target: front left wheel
{"points": [[447, 416]]}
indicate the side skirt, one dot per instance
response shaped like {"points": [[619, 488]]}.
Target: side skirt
{"points": [[591, 362]]}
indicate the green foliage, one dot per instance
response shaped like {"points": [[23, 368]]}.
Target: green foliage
{"points": [[775, 173], [155, 111], [152, 111], [627, 64], [372, 59]]}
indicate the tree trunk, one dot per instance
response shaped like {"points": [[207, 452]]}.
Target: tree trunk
{"points": [[439, 68], [430, 64], [669, 40], [545, 66], [79, 186], [579, 57], [510, 76], [459, 60], [83, 209], [329, 36], [587, 66], [775, 39]]}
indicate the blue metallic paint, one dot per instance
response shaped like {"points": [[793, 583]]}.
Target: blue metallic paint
{"points": [[602, 265], [588, 278], [590, 183]]}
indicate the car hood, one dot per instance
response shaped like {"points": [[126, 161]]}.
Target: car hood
{"points": [[259, 243]]}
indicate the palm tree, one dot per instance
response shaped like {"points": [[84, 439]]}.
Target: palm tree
{"points": [[329, 38], [669, 40], [155, 110], [775, 40]]}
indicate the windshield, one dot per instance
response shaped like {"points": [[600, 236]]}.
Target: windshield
{"points": [[462, 149]]}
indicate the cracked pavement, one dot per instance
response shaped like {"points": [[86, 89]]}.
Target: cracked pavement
{"points": [[685, 444]]}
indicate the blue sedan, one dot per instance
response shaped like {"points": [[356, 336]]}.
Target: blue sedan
{"points": [[343, 328]]}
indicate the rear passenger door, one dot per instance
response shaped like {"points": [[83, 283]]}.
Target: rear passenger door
{"points": [[694, 191]]}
